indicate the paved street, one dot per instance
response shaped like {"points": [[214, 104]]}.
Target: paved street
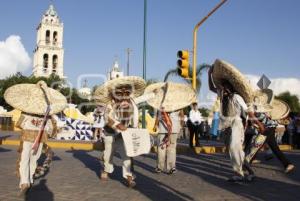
{"points": [[74, 176]]}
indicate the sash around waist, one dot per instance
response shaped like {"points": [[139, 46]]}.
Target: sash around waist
{"points": [[30, 136]]}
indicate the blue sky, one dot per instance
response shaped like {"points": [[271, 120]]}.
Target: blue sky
{"points": [[258, 36]]}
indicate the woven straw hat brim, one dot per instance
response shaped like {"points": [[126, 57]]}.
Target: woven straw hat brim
{"points": [[265, 96], [30, 98], [177, 96], [103, 93], [223, 70], [280, 110], [263, 100]]}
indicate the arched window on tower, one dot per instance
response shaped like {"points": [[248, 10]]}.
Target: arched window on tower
{"points": [[54, 62], [55, 38], [45, 62], [47, 37]]}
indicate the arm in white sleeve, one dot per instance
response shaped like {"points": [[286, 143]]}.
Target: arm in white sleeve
{"points": [[192, 116], [241, 102], [110, 119]]}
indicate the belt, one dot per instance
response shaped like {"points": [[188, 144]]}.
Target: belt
{"points": [[30, 136]]}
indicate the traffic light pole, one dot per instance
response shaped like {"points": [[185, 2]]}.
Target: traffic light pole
{"points": [[195, 41]]}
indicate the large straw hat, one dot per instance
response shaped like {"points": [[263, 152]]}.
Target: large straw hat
{"points": [[104, 93], [30, 98], [262, 100], [171, 96], [280, 110], [223, 70]]}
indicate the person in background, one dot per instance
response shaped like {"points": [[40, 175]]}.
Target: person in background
{"points": [[204, 131], [194, 122], [99, 122], [290, 130], [297, 132], [182, 124]]}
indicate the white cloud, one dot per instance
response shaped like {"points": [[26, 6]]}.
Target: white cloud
{"points": [[279, 85], [207, 99], [13, 56]]}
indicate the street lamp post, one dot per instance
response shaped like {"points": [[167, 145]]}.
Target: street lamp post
{"points": [[195, 40], [128, 51]]}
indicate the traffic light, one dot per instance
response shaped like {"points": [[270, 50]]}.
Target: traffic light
{"points": [[183, 63]]}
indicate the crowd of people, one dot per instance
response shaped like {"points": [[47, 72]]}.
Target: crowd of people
{"points": [[243, 113]]}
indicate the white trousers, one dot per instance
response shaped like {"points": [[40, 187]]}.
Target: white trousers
{"points": [[167, 156], [236, 152], [28, 162], [113, 144]]}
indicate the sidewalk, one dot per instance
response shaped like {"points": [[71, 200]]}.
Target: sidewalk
{"points": [[207, 147]]}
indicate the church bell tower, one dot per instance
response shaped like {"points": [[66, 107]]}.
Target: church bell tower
{"points": [[49, 53]]}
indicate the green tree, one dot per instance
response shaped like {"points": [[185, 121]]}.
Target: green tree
{"points": [[204, 111], [52, 81], [199, 72], [291, 100]]}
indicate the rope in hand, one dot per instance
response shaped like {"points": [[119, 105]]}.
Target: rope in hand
{"points": [[168, 122], [38, 138]]}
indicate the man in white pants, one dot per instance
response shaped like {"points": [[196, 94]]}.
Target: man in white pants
{"points": [[232, 88], [121, 96], [166, 149], [37, 103], [30, 126]]}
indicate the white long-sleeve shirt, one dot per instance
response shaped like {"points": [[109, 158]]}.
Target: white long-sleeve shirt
{"points": [[195, 117]]}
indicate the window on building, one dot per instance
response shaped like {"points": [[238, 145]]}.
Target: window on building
{"points": [[45, 62], [55, 38], [47, 37], [54, 62]]}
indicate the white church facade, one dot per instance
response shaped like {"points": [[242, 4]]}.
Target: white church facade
{"points": [[49, 53]]}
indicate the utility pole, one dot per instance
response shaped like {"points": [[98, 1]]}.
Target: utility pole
{"points": [[144, 60], [128, 51], [85, 83]]}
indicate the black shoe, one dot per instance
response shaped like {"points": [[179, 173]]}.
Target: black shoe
{"points": [[235, 179], [157, 170], [269, 157], [172, 171], [250, 177]]}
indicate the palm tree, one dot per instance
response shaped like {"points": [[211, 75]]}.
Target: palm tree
{"points": [[199, 71], [151, 81]]}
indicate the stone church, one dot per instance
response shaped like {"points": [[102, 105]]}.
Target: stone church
{"points": [[49, 53]]}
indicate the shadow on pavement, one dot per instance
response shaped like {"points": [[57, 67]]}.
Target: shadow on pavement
{"points": [[39, 192], [156, 190], [89, 161], [260, 189], [4, 150], [210, 168]]}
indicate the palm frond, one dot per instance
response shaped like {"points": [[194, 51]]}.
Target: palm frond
{"points": [[199, 70], [170, 72]]}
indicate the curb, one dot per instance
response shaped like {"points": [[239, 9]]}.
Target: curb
{"points": [[181, 148]]}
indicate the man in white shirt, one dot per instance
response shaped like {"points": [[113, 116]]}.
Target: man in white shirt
{"points": [[194, 122]]}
